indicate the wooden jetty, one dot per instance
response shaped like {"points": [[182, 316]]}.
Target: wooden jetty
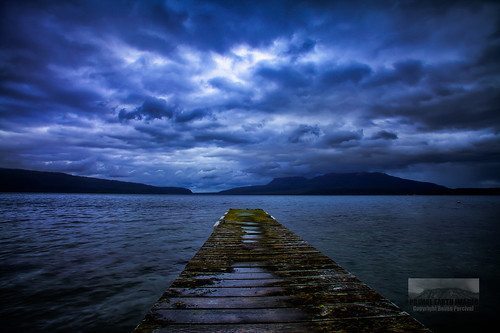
{"points": [[255, 275]]}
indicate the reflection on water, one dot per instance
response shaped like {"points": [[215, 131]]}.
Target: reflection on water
{"points": [[87, 263]]}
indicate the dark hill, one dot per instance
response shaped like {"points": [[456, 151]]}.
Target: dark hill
{"points": [[343, 184], [17, 180]]}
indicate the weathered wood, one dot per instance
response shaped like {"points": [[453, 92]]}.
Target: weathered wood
{"points": [[254, 275]]}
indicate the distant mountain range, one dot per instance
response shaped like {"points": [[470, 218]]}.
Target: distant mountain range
{"points": [[17, 180], [360, 183]]}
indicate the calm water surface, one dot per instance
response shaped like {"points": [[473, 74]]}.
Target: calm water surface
{"points": [[97, 263]]}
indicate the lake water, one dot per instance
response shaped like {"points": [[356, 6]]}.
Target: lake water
{"points": [[97, 263]]}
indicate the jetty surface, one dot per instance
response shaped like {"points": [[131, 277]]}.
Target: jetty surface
{"points": [[255, 275]]}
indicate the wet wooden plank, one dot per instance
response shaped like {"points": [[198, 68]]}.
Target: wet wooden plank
{"points": [[237, 302], [255, 275], [275, 315], [234, 328], [240, 291], [355, 325], [238, 283], [229, 316]]}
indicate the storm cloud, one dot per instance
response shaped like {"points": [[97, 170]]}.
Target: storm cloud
{"points": [[216, 94]]}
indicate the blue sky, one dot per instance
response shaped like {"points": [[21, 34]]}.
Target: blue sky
{"points": [[211, 95]]}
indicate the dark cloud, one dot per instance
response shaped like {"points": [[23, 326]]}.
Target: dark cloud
{"points": [[338, 137], [158, 135], [228, 86], [263, 168], [467, 110], [304, 133], [186, 116], [407, 72], [353, 73], [252, 127], [152, 108], [286, 77], [385, 135], [213, 94], [298, 49], [222, 138]]}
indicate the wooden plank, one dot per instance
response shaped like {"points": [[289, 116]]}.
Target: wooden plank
{"points": [[355, 325], [253, 274], [241, 291], [229, 316], [237, 302], [233, 328]]}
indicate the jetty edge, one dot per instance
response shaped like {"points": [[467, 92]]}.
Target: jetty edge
{"points": [[255, 275]]}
